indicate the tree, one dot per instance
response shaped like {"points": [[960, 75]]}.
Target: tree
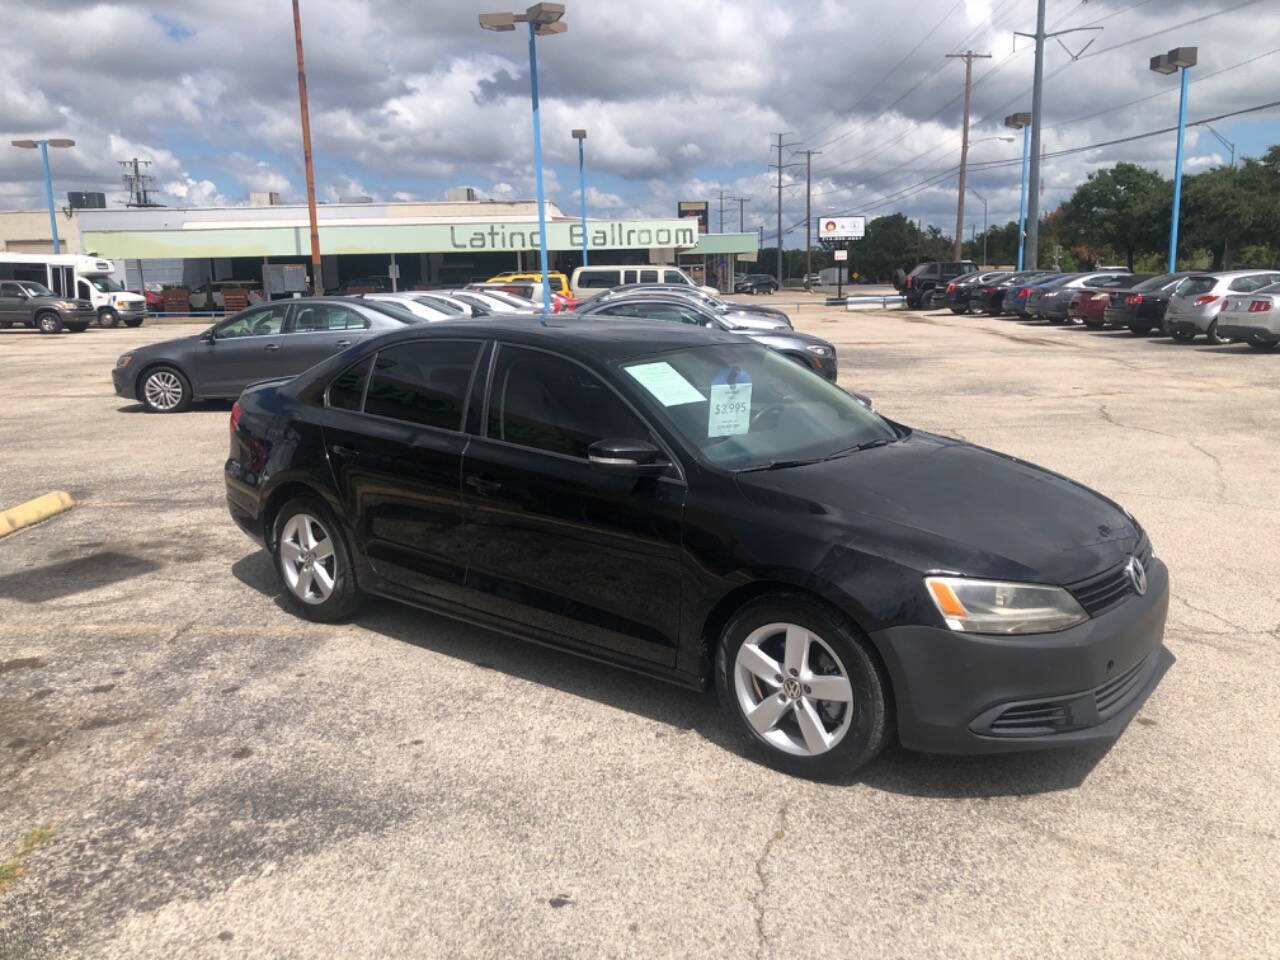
{"points": [[1115, 212]]}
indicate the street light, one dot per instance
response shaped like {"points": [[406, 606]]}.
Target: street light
{"points": [[544, 21], [44, 146], [1179, 58], [580, 136], [1022, 121]]}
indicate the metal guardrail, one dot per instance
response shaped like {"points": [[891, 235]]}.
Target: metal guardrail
{"points": [[889, 302]]}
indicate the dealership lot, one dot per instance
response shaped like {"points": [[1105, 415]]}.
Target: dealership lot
{"points": [[225, 779]]}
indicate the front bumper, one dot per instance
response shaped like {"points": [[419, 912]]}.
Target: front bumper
{"points": [[1251, 331], [125, 380], [969, 693]]}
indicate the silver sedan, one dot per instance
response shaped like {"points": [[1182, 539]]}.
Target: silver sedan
{"points": [[1195, 305]]}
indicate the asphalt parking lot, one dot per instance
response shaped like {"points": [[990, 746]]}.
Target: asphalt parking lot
{"points": [[221, 779]]}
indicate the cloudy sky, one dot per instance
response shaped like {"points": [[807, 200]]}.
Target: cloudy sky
{"points": [[680, 99]]}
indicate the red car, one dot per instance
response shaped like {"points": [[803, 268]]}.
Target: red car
{"points": [[1089, 305]]}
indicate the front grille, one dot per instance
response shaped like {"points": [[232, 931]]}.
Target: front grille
{"points": [[1031, 719], [1100, 593], [1115, 693]]}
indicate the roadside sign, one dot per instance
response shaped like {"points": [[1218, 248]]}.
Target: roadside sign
{"points": [[698, 209], [842, 228], [841, 254]]}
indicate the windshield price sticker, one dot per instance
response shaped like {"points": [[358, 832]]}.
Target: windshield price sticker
{"points": [[729, 412], [666, 384]]}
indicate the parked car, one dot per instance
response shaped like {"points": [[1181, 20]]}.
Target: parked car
{"points": [[1089, 304], [1017, 299], [371, 284], [990, 297], [693, 507], [745, 314], [1039, 291], [431, 310], [754, 283], [589, 280], [1195, 305], [559, 282], [1051, 301], [25, 303], [809, 351], [530, 292], [153, 292], [1254, 318], [279, 339], [208, 296], [964, 292], [1141, 307], [927, 283], [813, 279]]}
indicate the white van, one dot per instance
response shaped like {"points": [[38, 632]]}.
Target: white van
{"points": [[587, 281], [80, 278]]}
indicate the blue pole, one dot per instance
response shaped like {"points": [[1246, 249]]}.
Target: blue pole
{"points": [[48, 194], [1177, 176], [537, 166], [582, 192], [1022, 207]]}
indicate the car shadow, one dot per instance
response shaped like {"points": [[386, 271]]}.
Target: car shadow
{"points": [[54, 581], [197, 406], [897, 770]]}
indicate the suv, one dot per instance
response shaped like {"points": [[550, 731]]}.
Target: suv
{"points": [[33, 304], [926, 284], [756, 283]]}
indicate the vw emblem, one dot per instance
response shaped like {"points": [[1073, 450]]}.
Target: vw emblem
{"points": [[1137, 575]]}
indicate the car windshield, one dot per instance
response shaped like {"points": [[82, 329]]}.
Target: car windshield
{"points": [[34, 289], [403, 314], [743, 407], [1157, 283], [441, 304], [106, 284], [1269, 288]]}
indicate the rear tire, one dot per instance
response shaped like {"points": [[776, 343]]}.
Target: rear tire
{"points": [[133, 322], [48, 322], [793, 645], [165, 389], [1266, 346], [959, 311], [313, 561], [929, 301], [1212, 334], [1138, 330]]}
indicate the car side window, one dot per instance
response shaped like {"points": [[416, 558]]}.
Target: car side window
{"points": [[1247, 284], [599, 279], [546, 402], [674, 276], [648, 276], [322, 317], [346, 391], [9, 290], [424, 381], [262, 322]]}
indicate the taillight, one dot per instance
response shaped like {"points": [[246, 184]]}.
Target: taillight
{"points": [[1206, 300], [235, 416], [1024, 292], [1134, 299], [1260, 306], [951, 288], [910, 281]]}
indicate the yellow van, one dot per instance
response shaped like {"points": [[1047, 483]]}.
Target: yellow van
{"points": [[559, 282]]}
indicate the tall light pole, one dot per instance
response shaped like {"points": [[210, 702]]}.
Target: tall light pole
{"points": [[984, 223], [44, 146], [1179, 58], [1022, 121], [581, 136], [544, 20], [317, 287]]}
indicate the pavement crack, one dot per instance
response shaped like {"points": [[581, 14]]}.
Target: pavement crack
{"points": [[1219, 472], [1209, 613], [757, 900]]}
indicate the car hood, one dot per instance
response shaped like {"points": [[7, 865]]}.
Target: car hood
{"points": [[938, 504], [784, 339], [754, 321]]}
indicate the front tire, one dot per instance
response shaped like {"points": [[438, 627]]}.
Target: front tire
{"points": [[313, 561], [930, 300], [108, 318], [49, 322], [802, 687], [165, 389]]}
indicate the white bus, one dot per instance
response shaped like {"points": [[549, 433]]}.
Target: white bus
{"points": [[80, 278]]}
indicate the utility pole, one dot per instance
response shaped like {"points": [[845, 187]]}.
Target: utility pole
{"points": [[722, 211], [1032, 258], [808, 214], [317, 287], [780, 166], [138, 183], [968, 57], [740, 201]]}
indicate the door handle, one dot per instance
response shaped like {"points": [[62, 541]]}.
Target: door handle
{"points": [[482, 485], [272, 346], [343, 343], [342, 451]]}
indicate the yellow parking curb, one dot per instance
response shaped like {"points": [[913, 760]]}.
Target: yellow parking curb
{"points": [[33, 511]]}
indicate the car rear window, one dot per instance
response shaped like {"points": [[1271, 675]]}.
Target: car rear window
{"points": [[1194, 286], [1249, 284], [424, 382]]}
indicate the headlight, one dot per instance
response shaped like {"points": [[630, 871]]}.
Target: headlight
{"points": [[993, 606], [820, 350], [124, 360]]}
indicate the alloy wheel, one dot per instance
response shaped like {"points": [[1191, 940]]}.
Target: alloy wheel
{"points": [[793, 690], [163, 390], [307, 559]]}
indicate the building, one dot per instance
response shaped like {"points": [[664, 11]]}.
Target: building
{"points": [[421, 244]]}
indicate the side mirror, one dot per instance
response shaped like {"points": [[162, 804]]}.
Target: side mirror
{"points": [[862, 398], [627, 458], [207, 336]]}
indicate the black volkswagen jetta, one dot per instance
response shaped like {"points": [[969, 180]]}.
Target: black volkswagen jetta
{"points": [[691, 506]]}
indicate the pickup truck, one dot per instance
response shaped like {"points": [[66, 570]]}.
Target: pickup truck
{"points": [[31, 304]]}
